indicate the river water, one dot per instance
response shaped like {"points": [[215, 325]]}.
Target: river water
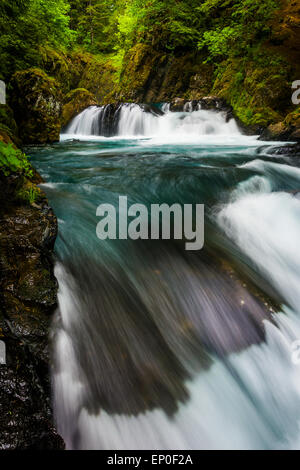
{"points": [[156, 347]]}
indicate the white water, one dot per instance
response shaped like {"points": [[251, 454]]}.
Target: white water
{"points": [[133, 122], [85, 123], [262, 409]]}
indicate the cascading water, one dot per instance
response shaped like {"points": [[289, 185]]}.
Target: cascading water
{"points": [[155, 347], [133, 120]]}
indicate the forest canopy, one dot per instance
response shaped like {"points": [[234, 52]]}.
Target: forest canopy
{"points": [[219, 28]]}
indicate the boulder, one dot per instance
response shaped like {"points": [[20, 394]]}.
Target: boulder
{"points": [[36, 102], [276, 131], [289, 129], [75, 102], [177, 104]]}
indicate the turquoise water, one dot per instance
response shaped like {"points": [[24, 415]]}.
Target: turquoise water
{"points": [[156, 347]]}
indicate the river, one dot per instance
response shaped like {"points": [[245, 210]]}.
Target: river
{"points": [[156, 347]]}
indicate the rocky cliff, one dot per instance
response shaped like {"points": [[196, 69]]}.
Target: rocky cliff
{"points": [[28, 291]]}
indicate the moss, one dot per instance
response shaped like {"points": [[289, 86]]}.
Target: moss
{"points": [[137, 67], [59, 65], [13, 160], [15, 166], [75, 102], [29, 192], [259, 93], [99, 77], [293, 118], [36, 102]]}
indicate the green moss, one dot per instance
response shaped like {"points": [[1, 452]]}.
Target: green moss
{"points": [[75, 102], [28, 193], [15, 163], [57, 64], [99, 77], [293, 118], [13, 160], [36, 101], [259, 93]]}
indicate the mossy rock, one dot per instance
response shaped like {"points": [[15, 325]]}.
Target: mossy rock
{"points": [[18, 176], [36, 102], [259, 92], [59, 65], [99, 77], [293, 118], [75, 102]]}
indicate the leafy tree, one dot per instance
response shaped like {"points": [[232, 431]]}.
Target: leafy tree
{"points": [[27, 24], [242, 25], [95, 23]]}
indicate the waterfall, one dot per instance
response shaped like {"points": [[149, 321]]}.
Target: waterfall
{"points": [[138, 120], [95, 121], [153, 347]]}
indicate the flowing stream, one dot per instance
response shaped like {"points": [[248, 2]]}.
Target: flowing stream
{"points": [[156, 347]]}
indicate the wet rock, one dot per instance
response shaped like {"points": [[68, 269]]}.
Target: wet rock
{"points": [[208, 103], [36, 102], [148, 108], [177, 104], [75, 102], [277, 131], [28, 291], [293, 149]]}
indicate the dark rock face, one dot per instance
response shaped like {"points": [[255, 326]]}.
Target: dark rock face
{"points": [[36, 102], [27, 299], [8, 126]]}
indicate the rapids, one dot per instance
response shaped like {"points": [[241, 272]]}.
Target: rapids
{"points": [[155, 347]]}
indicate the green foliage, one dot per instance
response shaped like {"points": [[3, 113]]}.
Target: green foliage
{"points": [[28, 193], [164, 24], [27, 24], [112, 47], [13, 160], [220, 42], [237, 29], [95, 22]]}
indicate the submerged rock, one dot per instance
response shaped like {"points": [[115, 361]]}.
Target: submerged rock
{"points": [[36, 102], [75, 102]]}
